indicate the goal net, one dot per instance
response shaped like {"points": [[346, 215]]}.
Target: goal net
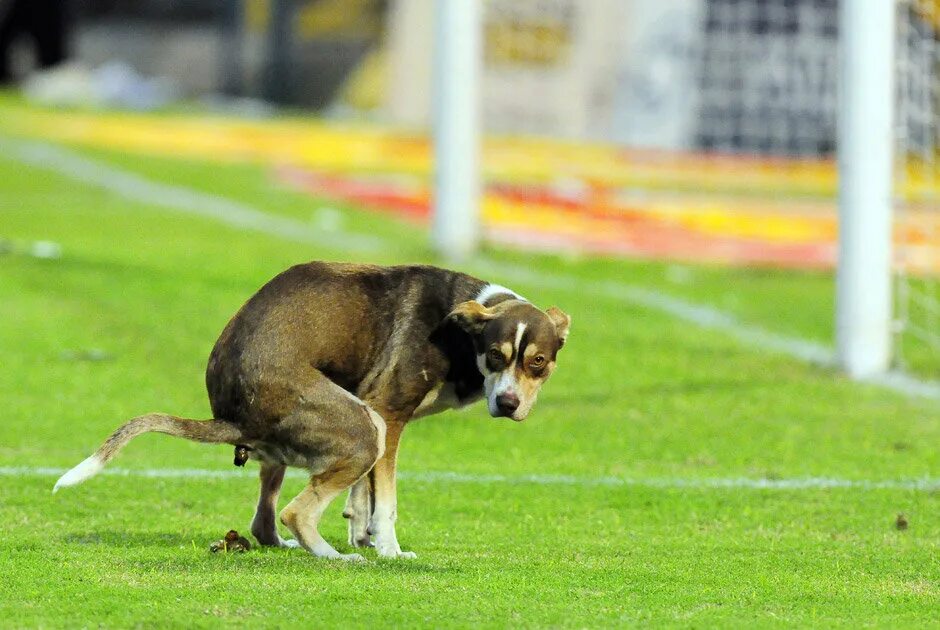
{"points": [[917, 304]]}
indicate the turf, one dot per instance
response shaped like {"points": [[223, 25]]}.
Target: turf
{"points": [[637, 396], [795, 303]]}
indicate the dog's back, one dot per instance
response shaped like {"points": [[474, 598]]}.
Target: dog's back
{"points": [[347, 321]]}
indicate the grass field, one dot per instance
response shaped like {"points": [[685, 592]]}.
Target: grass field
{"points": [[646, 418]]}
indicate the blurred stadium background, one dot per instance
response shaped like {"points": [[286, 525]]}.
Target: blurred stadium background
{"points": [[693, 131]]}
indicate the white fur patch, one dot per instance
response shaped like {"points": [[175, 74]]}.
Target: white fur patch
{"points": [[505, 384], [495, 289], [87, 468], [520, 330], [380, 427]]}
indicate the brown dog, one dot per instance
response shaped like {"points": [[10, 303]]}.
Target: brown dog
{"points": [[324, 366]]}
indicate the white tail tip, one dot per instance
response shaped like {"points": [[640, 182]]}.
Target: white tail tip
{"points": [[87, 468]]}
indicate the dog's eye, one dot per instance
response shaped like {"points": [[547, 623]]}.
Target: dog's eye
{"points": [[496, 355], [538, 361]]}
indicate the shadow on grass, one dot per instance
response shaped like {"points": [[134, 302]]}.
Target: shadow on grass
{"points": [[128, 539], [257, 557]]}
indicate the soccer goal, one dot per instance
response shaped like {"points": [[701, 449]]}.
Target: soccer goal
{"points": [[890, 224], [824, 111]]}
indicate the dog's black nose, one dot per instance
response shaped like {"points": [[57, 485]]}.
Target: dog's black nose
{"points": [[507, 403]]}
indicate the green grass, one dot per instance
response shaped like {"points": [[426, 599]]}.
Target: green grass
{"points": [[636, 396], [796, 303]]}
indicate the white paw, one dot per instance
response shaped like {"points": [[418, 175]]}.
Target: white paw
{"points": [[397, 553], [289, 544], [351, 557]]}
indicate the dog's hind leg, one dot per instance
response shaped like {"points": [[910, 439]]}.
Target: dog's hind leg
{"points": [[264, 524], [302, 515], [359, 511], [341, 438]]}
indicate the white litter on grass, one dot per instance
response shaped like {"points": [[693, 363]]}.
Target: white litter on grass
{"points": [[48, 250], [91, 355], [690, 483]]}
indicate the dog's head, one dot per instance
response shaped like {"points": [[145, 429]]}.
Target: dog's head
{"points": [[516, 346]]}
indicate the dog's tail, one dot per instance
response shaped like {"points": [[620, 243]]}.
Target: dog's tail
{"points": [[213, 431]]}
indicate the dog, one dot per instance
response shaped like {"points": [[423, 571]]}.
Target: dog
{"points": [[327, 363]]}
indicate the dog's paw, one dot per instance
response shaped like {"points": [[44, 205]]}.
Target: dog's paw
{"points": [[398, 554], [351, 557], [289, 543]]}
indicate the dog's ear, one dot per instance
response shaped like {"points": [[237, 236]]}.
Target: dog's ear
{"points": [[562, 323], [470, 316]]}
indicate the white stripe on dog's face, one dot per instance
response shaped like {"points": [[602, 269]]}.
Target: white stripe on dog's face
{"points": [[508, 382], [520, 330], [510, 379]]}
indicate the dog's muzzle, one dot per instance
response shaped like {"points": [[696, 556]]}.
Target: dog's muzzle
{"points": [[507, 404]]}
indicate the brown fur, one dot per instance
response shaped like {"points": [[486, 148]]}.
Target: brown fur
{"points": [[323, 367], [211, 431]]}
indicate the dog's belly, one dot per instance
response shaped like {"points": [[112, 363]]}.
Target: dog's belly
{"points": [[443, 397]]}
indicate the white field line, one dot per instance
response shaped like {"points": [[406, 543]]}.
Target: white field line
{"points": [[179, 199], [238, 215], [702, 316], [711, 319], [692, 483]]}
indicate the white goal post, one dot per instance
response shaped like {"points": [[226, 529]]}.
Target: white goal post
{"points": [[759, 80], [865, 154], [458, 50]]}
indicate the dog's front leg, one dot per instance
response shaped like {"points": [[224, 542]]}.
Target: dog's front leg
{"points": [[386, 505]]}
